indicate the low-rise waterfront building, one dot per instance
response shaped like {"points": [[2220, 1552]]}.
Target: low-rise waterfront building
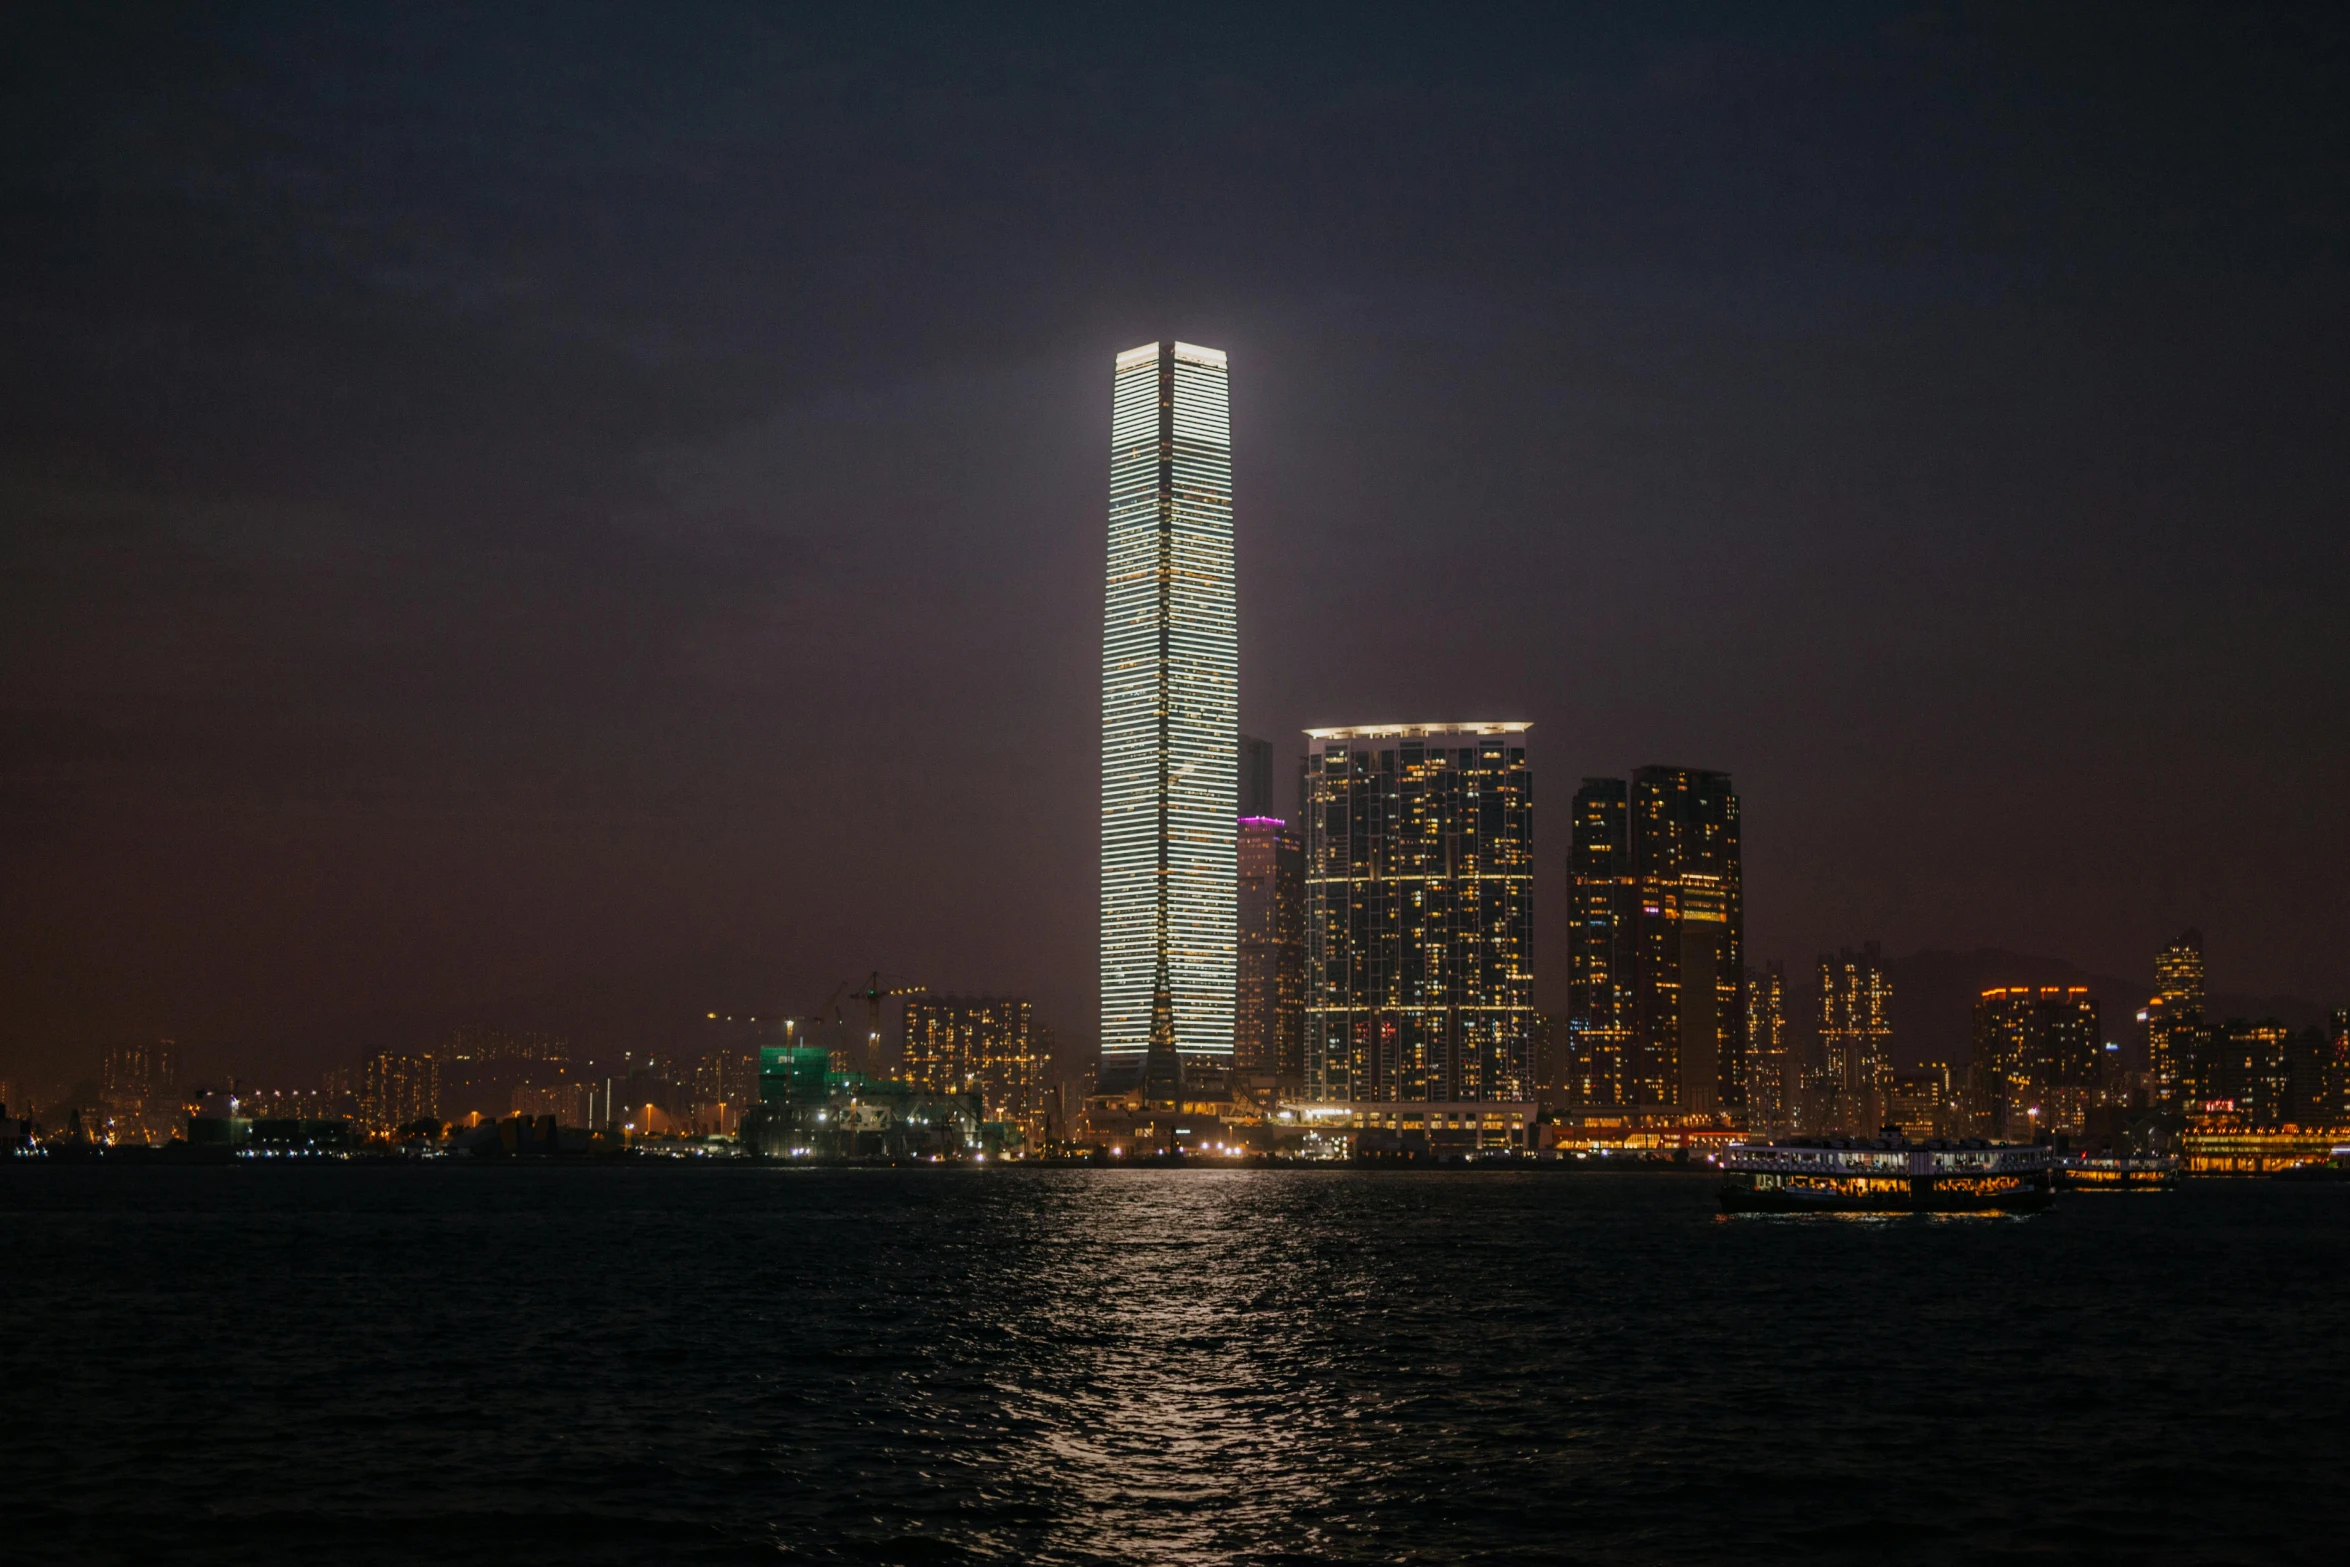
{"points": [[1391, 1128]]}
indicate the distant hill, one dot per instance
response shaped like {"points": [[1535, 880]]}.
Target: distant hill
{"points": [[658, 1006], [1934, 1000]]}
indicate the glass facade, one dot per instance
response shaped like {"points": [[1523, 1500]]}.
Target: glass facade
{"points": [[1419, 884], [1170, 715]]}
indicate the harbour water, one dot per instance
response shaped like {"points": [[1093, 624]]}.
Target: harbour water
{"points": [[739, 1363]]}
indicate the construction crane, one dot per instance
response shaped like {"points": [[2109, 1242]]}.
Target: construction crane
{"points": [[874, 993]]}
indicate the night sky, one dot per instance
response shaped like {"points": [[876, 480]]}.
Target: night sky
{"points": [[500, 497]]}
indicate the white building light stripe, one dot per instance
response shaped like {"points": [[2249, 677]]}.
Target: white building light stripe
{"points": [[1170, 708]]}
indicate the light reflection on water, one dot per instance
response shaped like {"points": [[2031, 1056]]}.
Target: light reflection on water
{"points": [[1190, 1406], [1136, 1366]]}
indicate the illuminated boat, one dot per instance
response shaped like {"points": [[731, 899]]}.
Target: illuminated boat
{"points": [[1887, 1175], [2120, 1172]]}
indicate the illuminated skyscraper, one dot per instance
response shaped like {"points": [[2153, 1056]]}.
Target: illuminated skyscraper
{"points": [[1657, 1002], [1419, 879], [1270, 1019], [1856, 1035], [1170, 719], [2174, 1017]]}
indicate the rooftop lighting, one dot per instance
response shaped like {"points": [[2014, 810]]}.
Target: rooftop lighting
{"points": [[1420, 731]]}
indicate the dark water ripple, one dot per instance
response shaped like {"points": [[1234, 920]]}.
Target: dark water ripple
{"points": [[729, 1364]]}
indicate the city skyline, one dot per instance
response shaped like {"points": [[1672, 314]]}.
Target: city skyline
{"points": [[645, 913], [556, 611]]}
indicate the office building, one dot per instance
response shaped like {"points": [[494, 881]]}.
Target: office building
{"points": [[1269, 1019], [1170, 720], [2036, 1060], [2174, 1015], [1856, 1037], [1419, 896], [984, 1045], [1657, 992]]}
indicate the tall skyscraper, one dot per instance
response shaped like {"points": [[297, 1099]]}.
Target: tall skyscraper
{"points": [[2174, 1016], [2036, 1059], [1657, 998], [1269, 1021], [985, 1045], [1419, 877], [1170, 720]]}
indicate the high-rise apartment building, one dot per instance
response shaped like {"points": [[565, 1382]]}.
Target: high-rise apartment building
{"points": [[1170, 718], [1269, 1019], [397, 1088], [1770, 1060], [2036, 1065], [2240, 1069], [2309, 1080], [1856, 1037], [1419, 883], [985, 1045], [1602, 952], [1657, 993], [2174, 1016], [2337, 1074], [132, 1072], [1919, 1100], [141, 1083]]}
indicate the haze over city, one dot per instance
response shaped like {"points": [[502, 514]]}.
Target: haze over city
{"points": [[502, 505]]}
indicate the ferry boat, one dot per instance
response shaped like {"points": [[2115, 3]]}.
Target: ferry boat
{"points": [[2120, 1172], [1887, 1175]]}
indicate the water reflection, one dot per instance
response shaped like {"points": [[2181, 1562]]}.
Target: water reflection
{"points": [[1183, 1406]]}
